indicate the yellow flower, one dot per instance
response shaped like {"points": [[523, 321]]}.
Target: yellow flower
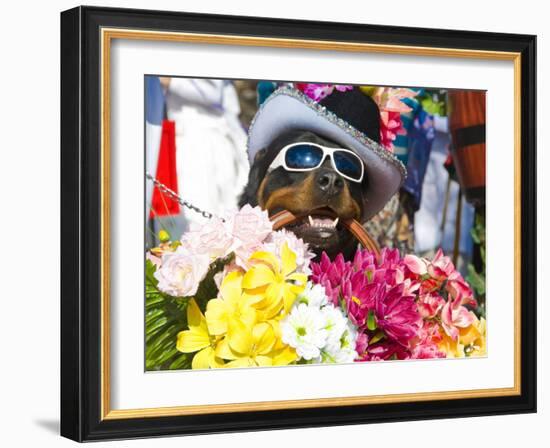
{"points": [[470, 341], [198, 339], [254, 346], [453, 348], [232, 306], [273, 282], [281, 354], [473, 338], [247, 346]]}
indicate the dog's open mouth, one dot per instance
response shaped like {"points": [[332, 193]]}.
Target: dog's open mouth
{"points": [[321, 229]]}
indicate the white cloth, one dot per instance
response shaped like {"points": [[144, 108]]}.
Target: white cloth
{"points": [[212, 164]]}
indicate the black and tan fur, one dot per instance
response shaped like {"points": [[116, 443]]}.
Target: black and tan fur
{"points": [[304, 192]]}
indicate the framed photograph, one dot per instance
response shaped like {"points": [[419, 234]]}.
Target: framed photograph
{"points": [[277, 224]]}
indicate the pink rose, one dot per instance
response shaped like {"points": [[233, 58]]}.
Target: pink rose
{"points": [[430, 304], [441, 266], [454, 316], [250, 225], [456, 286], [410, 286], [426, 344], [212, 238], [416, 264]]}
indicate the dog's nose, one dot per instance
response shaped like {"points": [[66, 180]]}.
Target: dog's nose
{"points": [[330, 182]]}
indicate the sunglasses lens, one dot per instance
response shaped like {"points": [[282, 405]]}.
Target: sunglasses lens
{"points": [[348, 164], [303, 157]]}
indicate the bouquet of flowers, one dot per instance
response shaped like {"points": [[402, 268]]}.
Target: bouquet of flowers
{"points": [[235, 293]]}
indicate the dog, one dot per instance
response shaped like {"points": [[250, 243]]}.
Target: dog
{"points": [[308, 194]]}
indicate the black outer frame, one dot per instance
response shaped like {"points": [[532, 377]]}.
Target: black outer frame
{"points": [[80, 224]]}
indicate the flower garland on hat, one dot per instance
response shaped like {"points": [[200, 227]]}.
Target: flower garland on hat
{"points": [[389, 101]]}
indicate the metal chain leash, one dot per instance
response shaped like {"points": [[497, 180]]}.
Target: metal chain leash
{"points": [[174, 196]]}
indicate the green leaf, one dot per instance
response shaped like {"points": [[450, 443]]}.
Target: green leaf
{"points": [[207, 289], [152, 314], [181, 361], [476, 280], [377, 337], [165, 316], [371, 321], [150, 269], [369, 275]]}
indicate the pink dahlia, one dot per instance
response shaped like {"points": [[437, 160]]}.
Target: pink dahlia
{"points": [[358, 296], [402, 307], [332, 275], [375, 293], [383, 351], [396, 314]]}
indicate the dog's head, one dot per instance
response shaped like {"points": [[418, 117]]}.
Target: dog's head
{"points": [[310, 194]]}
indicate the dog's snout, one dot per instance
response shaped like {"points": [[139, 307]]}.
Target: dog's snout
{"points": [[329, 182]]}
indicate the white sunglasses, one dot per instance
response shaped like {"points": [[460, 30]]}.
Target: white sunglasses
{"points": [[308, 156]]}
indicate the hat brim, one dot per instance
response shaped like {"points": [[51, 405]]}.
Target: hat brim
{"points": [[288, 109]]}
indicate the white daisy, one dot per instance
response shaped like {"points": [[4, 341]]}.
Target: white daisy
{"points": [[303, 330], [341, 350], [335, 324], [313, 296]]}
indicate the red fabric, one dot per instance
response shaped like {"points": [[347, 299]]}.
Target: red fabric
{"points": [[162, 204]]}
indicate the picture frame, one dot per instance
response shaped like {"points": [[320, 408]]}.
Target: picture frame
{"points": [[87, 34]]}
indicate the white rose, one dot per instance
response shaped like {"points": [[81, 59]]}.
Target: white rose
{"points": [[181, 273]]}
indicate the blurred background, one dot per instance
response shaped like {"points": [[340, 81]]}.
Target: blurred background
{"points": [[196, 132]]}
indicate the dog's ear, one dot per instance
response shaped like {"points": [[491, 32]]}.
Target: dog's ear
{"points": [[255, 177]]}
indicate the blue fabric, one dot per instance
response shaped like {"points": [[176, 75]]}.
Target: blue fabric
{"points": [[154, 100], [264, 89], [421, 136], [401, 142]]}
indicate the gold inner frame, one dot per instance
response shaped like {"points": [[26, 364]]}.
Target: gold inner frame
{"points": [[107, 35]]}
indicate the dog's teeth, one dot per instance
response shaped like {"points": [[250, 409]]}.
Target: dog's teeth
{"points": [[310, 220], [335, 223]]}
